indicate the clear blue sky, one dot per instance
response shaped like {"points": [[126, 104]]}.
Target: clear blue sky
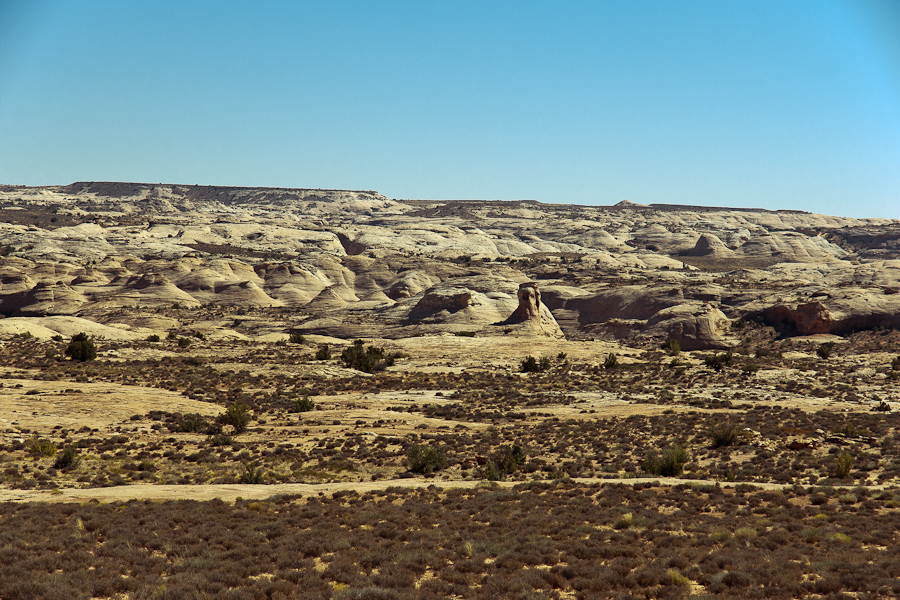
{"points": [[775, 104]]}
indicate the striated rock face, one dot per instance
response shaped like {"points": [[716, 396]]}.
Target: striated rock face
{"points": [[532, 316]]}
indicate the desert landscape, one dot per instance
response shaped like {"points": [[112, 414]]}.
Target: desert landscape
{"points": [[222, 392]]}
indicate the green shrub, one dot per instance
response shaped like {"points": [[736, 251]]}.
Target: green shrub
{"points": [[81, 348], [303, 404], [193, 423], [534, 365], [367, 360], [323, 352], [724, 434], [67, 458], [220, 439], [895, 363], [717, 362], [251, 474], [506, 460], [843, 463], [297, 338], [611, 361], [41, 446], [750, 367], [674, 577], [671, 347], [183, 342], [426, 459], [153, 338], [824, 350], [624, 522], [238, 416], [669, 464]]}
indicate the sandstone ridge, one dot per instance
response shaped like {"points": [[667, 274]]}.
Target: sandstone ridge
{"points": [[349, 263]]}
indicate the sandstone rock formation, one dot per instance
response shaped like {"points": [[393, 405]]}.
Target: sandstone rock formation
{"points": [[709, 245], [807, 319], [695, 325], [531, 315], [355, 263]]}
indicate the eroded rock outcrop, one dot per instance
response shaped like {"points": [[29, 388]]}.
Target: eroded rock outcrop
{"points": [[695, 325], [532, 316], [807, 319]]}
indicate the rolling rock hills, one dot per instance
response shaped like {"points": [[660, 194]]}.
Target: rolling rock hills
{"points": [[119, 256]]}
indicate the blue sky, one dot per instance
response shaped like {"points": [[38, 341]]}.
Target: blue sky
{"points": [[773, 104]]}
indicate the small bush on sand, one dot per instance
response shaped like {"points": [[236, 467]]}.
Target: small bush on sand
{"points": [[843, 463], [533, 365], [193, 423]]}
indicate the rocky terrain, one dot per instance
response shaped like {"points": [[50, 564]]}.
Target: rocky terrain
{"points": [[357, 264], [287, 393]]}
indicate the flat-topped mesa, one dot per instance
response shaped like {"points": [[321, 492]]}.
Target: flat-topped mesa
{"points": [[532, 316]]}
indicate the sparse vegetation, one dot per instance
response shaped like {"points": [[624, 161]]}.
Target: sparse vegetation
{"points": [[606, 405]]}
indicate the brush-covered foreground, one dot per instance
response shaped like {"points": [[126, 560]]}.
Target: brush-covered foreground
{"points": [[790, 448], [537, 540]]}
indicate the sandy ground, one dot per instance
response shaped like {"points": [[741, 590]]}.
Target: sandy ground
{"points": [[43, 405], [231, 492]]}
